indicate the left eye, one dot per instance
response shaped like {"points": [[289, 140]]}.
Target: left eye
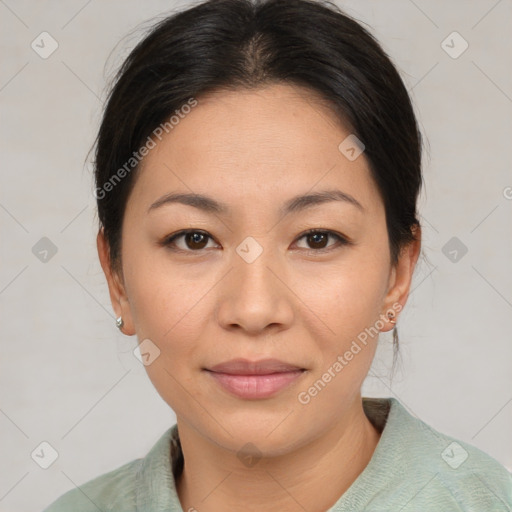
{"points": [[318, 238], [196, 240]]}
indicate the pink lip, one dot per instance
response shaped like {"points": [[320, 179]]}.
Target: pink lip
{"points": [[254, 379]]}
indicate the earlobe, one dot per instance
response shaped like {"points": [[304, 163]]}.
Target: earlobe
{"points": [[401, 279], [116, 287]]}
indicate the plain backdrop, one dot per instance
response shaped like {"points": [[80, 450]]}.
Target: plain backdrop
{"points": [[70, 379]]}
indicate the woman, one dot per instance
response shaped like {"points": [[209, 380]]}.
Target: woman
{"points": [[257, 173]]}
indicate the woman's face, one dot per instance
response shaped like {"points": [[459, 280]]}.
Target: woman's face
{"points": [[249, 284]]}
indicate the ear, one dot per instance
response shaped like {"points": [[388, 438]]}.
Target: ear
{"points": [[400, 279], [116, 286]]}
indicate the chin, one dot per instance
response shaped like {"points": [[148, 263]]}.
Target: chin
{"points": [[272, 434]]}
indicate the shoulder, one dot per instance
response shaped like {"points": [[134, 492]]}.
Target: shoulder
{"points": [[142, 484], [437, 470], [472, 477], [111, 491]]}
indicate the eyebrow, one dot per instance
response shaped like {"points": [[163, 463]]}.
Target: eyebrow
{"points": [[293, 205]]}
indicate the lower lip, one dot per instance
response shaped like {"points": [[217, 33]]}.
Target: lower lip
{"points": [[255, 386]]}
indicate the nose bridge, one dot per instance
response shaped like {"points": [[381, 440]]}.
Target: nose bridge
{"points": [[253, 261], [253, 296]]}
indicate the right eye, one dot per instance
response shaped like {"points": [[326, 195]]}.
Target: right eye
{"points": [[195, 240]]}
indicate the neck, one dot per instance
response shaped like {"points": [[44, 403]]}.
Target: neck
{"points": [[312, 477]]}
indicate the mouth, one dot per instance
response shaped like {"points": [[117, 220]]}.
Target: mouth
{"points": [[254, 379]]}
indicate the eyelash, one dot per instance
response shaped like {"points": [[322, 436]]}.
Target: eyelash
{"points": [[341, 240]]}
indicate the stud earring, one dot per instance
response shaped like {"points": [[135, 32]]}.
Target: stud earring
{"points": [[391, 318], [119, 323]]}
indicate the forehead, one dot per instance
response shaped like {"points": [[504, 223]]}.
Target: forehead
{"points": [[255, 147]]}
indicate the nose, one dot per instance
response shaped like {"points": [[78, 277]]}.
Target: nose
{"points": [[254, 296]]}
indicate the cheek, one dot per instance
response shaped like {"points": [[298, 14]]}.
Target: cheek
{"points": [[347, 304], [163, 304], [172, 306], [345, 297], [167, 309]]}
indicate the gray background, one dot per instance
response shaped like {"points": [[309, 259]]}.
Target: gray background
{"points": [[69, 378]]}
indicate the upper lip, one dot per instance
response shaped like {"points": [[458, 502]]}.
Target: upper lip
{"points": [[246, 367]]}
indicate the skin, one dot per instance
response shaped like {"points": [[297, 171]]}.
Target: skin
{"points": [[253, 150]]}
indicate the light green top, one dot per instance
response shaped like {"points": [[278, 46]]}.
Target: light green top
{"points": [[413, 468]]}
